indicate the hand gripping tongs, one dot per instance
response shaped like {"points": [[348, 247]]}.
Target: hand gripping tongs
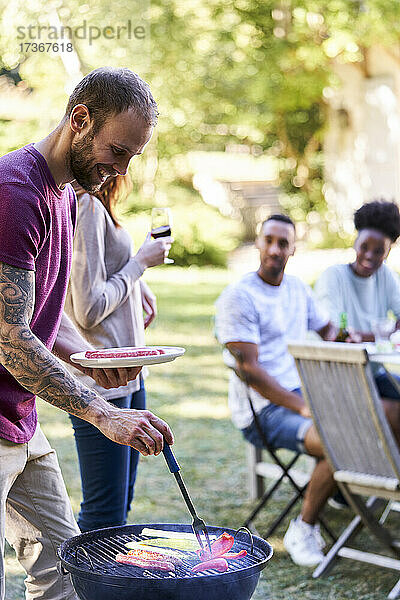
{"points": [[198, 524]]}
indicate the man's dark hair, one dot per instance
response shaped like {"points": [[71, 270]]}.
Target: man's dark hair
{"points": [[381, 215], [279, 217], [108, 91]]}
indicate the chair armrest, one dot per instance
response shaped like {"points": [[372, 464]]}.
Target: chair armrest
{"points": [[362, 479]]}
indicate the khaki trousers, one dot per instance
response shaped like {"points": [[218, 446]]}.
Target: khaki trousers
{"points": [[35, 516]]}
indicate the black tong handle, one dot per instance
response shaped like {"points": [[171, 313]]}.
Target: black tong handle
{"points": [[170, 458]]}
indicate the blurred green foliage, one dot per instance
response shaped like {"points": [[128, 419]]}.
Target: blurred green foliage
{"points": [[254, 73], [202, 235]]}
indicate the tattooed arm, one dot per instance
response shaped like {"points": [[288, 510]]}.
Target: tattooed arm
{"points": [[38, 370]]}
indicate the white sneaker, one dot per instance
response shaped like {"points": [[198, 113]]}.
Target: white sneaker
{"points": [[303, 542], [320, 540]]}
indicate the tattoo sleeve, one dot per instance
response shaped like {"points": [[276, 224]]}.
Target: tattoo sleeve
{"points": [[25, 356]]}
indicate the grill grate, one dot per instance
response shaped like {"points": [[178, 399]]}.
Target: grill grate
{"points": [[98, 556]]}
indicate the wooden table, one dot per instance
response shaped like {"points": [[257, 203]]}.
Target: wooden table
{"points": [[385, 358], [391, 358]]}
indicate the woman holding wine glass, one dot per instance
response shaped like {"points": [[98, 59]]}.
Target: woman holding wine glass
{"points": [[106, 300]]}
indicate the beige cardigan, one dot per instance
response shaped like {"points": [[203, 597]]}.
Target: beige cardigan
{"points": [[103, 298]]}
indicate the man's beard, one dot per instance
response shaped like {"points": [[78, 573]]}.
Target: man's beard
{"points": [[273, 271], [81, 163]]}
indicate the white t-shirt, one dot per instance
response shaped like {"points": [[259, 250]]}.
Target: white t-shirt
{"points": [[269, 316], [364, 299]]}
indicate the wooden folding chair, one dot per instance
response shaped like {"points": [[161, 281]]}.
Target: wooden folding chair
{"points": [[338, 385], [285, 468]]}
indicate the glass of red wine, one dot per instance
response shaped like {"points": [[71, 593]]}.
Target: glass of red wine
{"points": [[161, 225]]}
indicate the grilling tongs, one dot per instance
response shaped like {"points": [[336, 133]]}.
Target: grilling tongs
{"points": [[198, 524]]}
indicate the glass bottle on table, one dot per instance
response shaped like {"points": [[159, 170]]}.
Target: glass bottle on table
{"points": [[161, 222], [343, 332]]}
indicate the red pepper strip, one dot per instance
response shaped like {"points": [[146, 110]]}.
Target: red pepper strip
{"points": [[234, 555], [157, 565], [218, 564], [221, 546]]}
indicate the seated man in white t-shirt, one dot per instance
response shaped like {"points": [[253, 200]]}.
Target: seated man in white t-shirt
{"points": [[257, 317]]}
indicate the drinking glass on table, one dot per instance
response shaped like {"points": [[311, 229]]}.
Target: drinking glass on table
{"points": [[161, 225], [382, 330]]}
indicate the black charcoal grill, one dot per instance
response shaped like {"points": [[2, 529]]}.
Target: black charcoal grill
{"points": [[90, 559]]}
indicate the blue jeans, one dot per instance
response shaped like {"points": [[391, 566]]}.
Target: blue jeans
{"points": [[108, 470], [282, 428], [385, 387]]}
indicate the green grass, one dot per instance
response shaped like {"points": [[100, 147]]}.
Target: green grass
{"points": [[190, 394]]}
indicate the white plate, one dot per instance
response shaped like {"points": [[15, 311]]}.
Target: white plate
{"points": [[171, 352]]}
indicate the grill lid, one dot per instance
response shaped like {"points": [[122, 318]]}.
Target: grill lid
{"points": [[94, 553]]}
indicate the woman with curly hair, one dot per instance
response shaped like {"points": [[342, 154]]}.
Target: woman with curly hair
{"points": [[367, 289]]}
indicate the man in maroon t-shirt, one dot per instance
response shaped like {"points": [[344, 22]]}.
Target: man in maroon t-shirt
{"points": [[109, 119]]}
